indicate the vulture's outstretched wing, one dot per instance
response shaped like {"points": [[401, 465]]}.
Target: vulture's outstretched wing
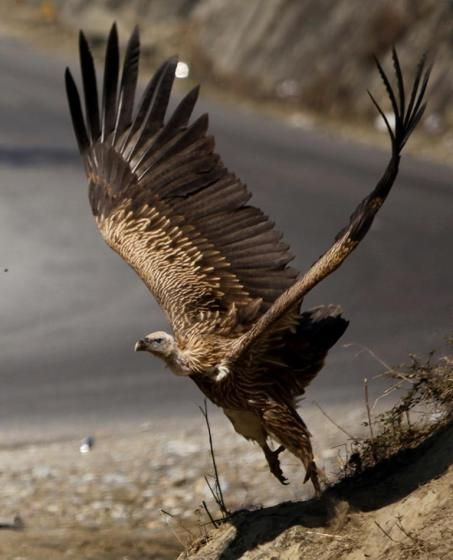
{"points": [[407, 114], [165, 202]]}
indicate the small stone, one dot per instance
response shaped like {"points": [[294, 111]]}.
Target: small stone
{"points": [[87, 444]]}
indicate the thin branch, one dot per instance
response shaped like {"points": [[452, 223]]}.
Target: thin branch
{"points": [[370, 423], [208, 513], [405, 532], [218, 495], [386, 533], [389, 370], [339, 537], [370, 352], [167, 513], [212, 490], [218, 521], [172, 529], [387, 392], [350, 436]]}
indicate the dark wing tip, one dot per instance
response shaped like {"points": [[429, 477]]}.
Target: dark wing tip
{"points": [[182, 114], [75, 109], [135, 33], [89, 81], [114, 29], [82, 38], [109, 95], [128, 84], [406, 117]]}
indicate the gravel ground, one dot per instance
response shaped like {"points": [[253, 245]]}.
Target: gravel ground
{"points": [[109, 502]]}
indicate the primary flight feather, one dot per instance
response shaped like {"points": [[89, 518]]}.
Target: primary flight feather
{"points": [[165, 202]]}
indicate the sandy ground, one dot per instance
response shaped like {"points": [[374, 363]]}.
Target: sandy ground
{"points": [[402, 510], [110, 502], [139, 496]]}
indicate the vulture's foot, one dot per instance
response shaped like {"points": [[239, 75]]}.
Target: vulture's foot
{"points": [[312, 474], [274, 463]]}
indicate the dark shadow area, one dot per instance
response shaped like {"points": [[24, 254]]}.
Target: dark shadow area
{"points": [[387, 482], [34, 156], [254, 528]]}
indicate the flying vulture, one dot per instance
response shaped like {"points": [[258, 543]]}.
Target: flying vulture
{"points": [[164, 201]]}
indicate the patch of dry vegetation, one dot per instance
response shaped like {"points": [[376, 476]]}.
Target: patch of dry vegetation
{"points": [[425, 406]]}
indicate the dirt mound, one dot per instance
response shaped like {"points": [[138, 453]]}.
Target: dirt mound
{"points": [[399, 510]]}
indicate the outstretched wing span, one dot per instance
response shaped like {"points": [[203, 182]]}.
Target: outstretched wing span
{"points": [[256, 341], [165, 202]]}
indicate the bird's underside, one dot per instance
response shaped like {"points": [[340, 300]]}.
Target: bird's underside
{"points": [[163, 200], [261, 405]]}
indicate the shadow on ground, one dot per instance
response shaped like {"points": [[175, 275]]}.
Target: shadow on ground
{"points": [[386, 483]]}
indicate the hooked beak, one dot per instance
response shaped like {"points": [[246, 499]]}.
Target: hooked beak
{"points": [[140, 346]]}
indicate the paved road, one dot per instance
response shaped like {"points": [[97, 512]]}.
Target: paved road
{"points": [[71, 310]]}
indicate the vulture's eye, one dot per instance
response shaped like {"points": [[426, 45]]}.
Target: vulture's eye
{"points": [[158, 340]]}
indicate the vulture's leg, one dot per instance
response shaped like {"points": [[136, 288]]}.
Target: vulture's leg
{"points": [[249, 425], [284, 424], [273, 462]]}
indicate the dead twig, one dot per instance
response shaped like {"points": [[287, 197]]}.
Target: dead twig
{"points": [[208, 513], [370, 423], [350, 436], [332, 536], [386, 533], [172, 529], [370, 352], [406, 533], [216, 492], [387, 391]]}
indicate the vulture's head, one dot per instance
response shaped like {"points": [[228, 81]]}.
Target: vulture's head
{"points": [[158, 343]]}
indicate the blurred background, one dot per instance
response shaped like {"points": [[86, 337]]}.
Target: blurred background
{"points": [[311, 55], [285, 83]]}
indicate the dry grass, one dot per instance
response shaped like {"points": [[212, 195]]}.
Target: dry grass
{"points": [[425, 406]]}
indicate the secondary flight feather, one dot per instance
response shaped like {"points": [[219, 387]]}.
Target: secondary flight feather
{"points": [[164, 201]]}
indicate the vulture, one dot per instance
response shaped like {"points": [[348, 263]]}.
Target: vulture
{"points": [[164, 201]]}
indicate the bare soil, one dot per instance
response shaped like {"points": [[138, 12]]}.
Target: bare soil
{"points": [[139, 496], [400, 510], [134, 495]]}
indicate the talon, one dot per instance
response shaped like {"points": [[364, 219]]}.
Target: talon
{"points": [[274, 464], [278, 473], [312, 474]]}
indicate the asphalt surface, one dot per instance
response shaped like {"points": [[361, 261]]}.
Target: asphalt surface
{"points": [[71, 310]]}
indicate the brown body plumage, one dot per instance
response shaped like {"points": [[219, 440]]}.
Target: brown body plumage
{"points": [[165, 202]]}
